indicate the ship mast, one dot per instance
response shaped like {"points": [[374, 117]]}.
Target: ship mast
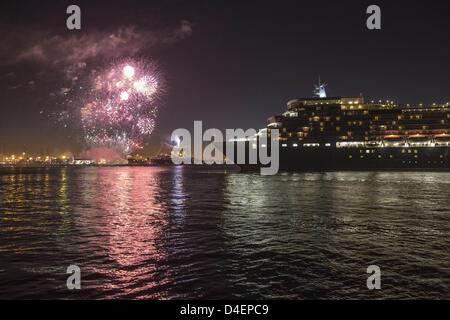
{"points": [[319, 90]]}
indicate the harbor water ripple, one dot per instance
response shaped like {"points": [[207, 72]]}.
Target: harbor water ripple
{"points": [[178, 233]]}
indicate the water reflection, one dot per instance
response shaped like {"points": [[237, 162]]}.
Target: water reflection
{"points": [[129, 217], [310, 233], [179, 233]]}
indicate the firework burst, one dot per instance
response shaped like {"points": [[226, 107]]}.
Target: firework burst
{"points": [[120, 109]]}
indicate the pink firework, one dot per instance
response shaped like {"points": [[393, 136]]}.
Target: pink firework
{"points": [[121, 108]]}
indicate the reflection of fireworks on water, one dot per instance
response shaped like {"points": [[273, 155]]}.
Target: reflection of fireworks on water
{"points": [[120, 109]]}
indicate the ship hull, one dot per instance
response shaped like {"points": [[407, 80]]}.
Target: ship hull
{"points": [[327, 159]]}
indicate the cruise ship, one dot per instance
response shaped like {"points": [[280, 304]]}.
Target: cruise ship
{"points": [[337, 133]]}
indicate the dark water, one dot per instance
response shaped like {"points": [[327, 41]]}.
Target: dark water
{"points": [[168, 233]]}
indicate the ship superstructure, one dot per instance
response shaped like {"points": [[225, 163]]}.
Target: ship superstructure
{"points": [[348, 133]]}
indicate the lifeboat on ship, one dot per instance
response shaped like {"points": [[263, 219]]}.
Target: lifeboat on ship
{"points": [[393, 141], [419, 140], [442, 139]]}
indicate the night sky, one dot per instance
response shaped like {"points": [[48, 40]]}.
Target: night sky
{"points": [[229, 63]]}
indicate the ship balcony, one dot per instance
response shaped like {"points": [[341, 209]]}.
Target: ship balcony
{"points": [[374, 144], [419, 141], [442, 140], [394, 141], [350, 144]]}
